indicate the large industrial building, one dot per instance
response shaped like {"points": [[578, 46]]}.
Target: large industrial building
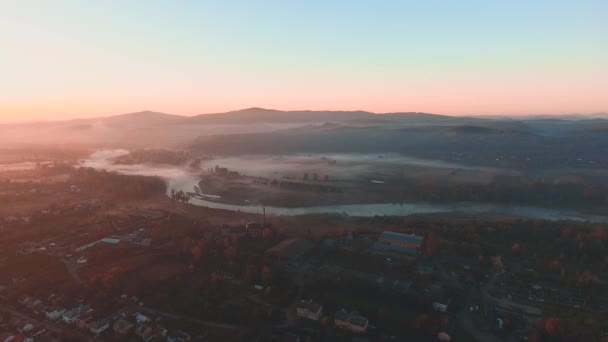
{"points": [[399, 243]]}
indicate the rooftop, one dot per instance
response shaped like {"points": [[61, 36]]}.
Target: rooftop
{"points": [[309, 305], [410, 238], [398, 242], [352, 317]]}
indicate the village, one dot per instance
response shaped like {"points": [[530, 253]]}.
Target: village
{"points": [[293, 310], [81, 263]]}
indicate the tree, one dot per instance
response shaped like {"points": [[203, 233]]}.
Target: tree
{"points": [[249, 273], [197, 252], [110, 278], [187, 245], [266, 274], [516, 248]]}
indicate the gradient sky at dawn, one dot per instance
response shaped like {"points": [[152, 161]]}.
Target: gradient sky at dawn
{"points": [[64, 59]]}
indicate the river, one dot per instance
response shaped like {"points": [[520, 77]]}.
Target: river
{"points": [[181, 179]]}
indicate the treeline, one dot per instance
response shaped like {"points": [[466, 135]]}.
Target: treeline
{"points": [[573, 254], [153, 156], [466, 146], [299, 186], [522, 191], [111, 183], [295, 185], [41, 154]]}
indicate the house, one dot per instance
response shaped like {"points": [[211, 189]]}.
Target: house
{"points": [[443, 337], [87, 246], [497, 263], [99, 326], [425, 268], [399, 243], [309, 310], [140, 318], [289, 251], [82, 260], [37, 332], [151, 214], [145, 332], [26, 327], [254, 230], [6, 337], [178, 336], [31, 302], [112, 241], [71, 315], [21, 338], [439, 298], [351, 321], [437, 306], [160, 331], [83, 321], [53, 313], [122, 326], [233, 231]]}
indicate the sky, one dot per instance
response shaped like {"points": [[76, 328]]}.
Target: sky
{"points": [[64, 59]]}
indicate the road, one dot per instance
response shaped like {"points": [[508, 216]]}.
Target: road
{"points": [[528, 310], [72, 267]]}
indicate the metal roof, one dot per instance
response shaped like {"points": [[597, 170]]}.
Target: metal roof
{"points": [[411, 238], [399, 243]]}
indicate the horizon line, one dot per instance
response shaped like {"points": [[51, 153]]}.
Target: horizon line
{"points": [[489, 116]]}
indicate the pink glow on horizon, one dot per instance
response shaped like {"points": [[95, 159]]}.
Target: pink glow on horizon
{"points": [[450, 98]]}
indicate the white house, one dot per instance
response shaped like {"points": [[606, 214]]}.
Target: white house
{"points": [[53, 313], [99, 326], [112, 241], [71, 315], [351, 321], [440, 307], [26, 327], [140, 318]]}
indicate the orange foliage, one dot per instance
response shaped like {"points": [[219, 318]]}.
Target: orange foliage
{"points": [[551, 325], [516, 248]]}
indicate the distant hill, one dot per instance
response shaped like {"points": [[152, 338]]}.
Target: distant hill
{"points": [[259, 130], [261, 115], [464, 144], [146, 118]]}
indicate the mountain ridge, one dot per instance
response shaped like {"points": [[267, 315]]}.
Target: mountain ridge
{"points": [[266, 115]]}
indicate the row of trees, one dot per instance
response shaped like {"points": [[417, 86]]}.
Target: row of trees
{"points": [[517, 191], [111, 183], [180, 196], [315, 177]]}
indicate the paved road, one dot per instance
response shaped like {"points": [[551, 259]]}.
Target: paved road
{"points": [[528, 310], [71, 266]]}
